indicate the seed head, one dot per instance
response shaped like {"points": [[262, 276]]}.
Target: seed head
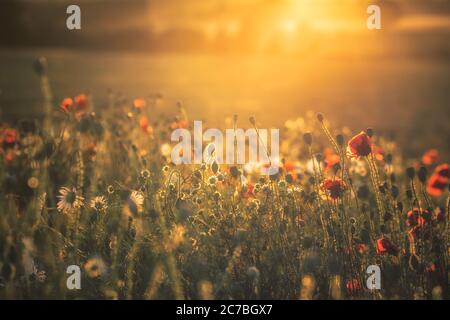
{"points": [[320, 117], [422, 174], [340, 140], [410, 172], [307, 137]]}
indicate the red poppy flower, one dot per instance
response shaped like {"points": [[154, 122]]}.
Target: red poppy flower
{"points": [[431, 268], [359, 146], [139, 103], [354, 287], [439, 180], [66, 105], [385, 246], [145, 125], [9, 135], [360, 248], [436, 185], [249, 193], [417, 217], [379, 154], [289, 167], [9, 156], [330, 159], [443, 170], [81, 101], [181, 124], [430, 157], [333, 187]]}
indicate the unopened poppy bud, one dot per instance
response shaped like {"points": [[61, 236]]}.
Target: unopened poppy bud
{"points": [[340, 140], [215, 167], [234, 171], [369, 132], [320, 117], [410, 172], [394, 192], [40, 66], [319, 157], [252, 120], [307, 137], [422, 174]]}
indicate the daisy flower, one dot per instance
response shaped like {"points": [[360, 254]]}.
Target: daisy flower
{"points": [[95, 267], [137, 200], [69, 200], [99, 204]]}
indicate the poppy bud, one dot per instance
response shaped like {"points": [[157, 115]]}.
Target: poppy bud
{"points": [[40, 66], [234, 171], [307, 137], [320, 117], [369, 132], [410, 172], [400, 206], [363, 192], [394, 192], [340, 140], [422, 174], [319, 157], [215, 167], [252, 120]]}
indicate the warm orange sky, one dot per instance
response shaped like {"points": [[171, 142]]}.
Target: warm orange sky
{"points": [[287, 15]]}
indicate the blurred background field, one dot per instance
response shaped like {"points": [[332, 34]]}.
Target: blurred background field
{"points": [[275, 59]]}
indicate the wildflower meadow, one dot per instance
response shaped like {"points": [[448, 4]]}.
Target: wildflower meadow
{"points": [[93, 188]]}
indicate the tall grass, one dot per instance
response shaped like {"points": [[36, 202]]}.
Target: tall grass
{"points": [[94, 186]]}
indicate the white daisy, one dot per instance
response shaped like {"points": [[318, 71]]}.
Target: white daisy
{"points": [[166, 150], [99, 204], [137, 198], [69, 200]]}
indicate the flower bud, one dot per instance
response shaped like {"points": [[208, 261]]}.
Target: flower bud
{"points": [[307, 137], [340, 140]]}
